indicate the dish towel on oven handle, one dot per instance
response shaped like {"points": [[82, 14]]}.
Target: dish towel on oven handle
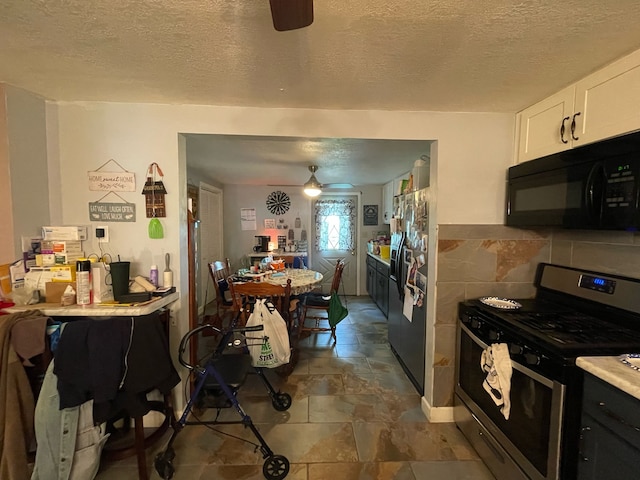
{"points": [[496, 362]]}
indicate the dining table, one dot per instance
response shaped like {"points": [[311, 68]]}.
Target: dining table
{"points": [[302, 280]]}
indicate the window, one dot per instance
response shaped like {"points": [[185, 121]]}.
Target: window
{"points": [[335, 225]]}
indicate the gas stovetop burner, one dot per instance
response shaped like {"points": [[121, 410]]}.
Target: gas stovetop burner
{"points": [[575, 328], [572, 314]]}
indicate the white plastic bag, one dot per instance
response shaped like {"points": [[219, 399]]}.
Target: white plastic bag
{"points": [[275, 350]]}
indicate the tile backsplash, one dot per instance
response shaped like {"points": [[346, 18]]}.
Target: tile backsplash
{"points": [[477, 260]]}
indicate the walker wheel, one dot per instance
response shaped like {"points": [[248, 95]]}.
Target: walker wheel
{"points": [[281, 402], [163, 465], [275, 467]]}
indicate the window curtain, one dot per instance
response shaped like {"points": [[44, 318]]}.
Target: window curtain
{"points": [[335, 224]]}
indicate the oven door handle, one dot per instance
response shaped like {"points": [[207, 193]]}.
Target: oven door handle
{"points": [[515, 365]]}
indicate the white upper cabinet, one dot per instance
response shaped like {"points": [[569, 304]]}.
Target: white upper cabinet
{"points": [[545, 126], [603, 105], [609, 101]]}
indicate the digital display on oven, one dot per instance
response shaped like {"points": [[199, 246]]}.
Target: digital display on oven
{"points": [[598, 284]]}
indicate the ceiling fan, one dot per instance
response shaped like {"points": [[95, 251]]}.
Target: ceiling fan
{"points": [[313, 187], [291, 14]]}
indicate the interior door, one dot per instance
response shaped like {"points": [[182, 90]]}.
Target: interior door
{"points": [[211, 244], [327, 248]]}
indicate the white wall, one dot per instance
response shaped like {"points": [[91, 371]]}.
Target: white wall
{"points": [[25, 182], [474, 151], [239, 243], [7, 243]]}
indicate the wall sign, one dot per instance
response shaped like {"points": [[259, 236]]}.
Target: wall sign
{"points": [[107, 181], [370, 215], [101, 211], [154, 192]]}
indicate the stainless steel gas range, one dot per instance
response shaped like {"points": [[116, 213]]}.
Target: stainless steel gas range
{"points": [[575, 313]]}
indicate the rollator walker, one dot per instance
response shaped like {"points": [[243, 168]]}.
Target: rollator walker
{"points": [[219, 380]]}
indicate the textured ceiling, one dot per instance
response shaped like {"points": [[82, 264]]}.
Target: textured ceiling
{"points": [[446, 55], [442, 55], [280, 161]]}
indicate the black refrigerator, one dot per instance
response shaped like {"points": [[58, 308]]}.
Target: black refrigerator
{"points": [[407, 285]]}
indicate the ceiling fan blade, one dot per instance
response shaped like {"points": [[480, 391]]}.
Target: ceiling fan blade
{"points": [[291, 14], [337, 185]]}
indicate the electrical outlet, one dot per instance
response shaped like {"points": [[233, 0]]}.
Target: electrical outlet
{"points": [[102, 234]]}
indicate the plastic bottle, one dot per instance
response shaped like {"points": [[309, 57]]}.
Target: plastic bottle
{"points": [[83, 282], [153, 275]]}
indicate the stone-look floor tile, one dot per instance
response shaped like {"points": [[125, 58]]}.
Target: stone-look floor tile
{"points": [[261, 410], [329, 366], [354, 415], [472, 470], [304, 385], [398, 442], [245, 472], [186, 472], [369, 328], [385, 365], [347, 408], [362, 471], [448, 434], [200, 445], [404, 408], [378, 383], [344, 336], [302, 367], [314, 352], [314, 442], [296, 385], [369, 350], [379, 338]]}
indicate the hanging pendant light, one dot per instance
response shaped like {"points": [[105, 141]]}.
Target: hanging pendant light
{"points": [[313, 188]]}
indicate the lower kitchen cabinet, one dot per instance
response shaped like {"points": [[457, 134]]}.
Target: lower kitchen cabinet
{"points": [[378, 283], [610, 438]]}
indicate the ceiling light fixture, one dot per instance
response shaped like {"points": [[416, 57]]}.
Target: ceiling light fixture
{"points": [[313, 188]]}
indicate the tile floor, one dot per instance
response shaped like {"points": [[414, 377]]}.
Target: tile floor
{"points": [[354, 416]]}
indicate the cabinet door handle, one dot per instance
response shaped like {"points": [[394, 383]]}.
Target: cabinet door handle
{"points": [[616, 417], [562, 130], [573, 126], [581, 444]]}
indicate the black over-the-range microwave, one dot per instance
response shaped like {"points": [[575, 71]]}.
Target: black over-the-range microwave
{"points": [[591, 187]]}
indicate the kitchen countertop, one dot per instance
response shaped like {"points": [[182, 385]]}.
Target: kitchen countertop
{"points": [[614, 372], [98, 309], [386, 261]]}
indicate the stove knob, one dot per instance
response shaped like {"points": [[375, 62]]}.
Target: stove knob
{"points": [[494, 335], [475, 323], [531, 358], [515, 349]]}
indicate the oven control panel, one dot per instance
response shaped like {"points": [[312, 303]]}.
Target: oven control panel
{"points": [[599, 284]]}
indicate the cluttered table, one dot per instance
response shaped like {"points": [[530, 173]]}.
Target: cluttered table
{"points": [[99, 309], [302, 280]]}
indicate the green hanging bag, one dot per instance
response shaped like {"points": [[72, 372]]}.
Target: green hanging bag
{"points": [[337, 311]]}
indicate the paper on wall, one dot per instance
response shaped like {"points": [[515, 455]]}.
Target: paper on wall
{"points": [[407, 307]]}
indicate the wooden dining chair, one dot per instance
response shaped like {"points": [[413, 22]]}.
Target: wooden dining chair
{"points": [[220, 271], [315, 306], [291, 261], [243, 295], [280, 295]]}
